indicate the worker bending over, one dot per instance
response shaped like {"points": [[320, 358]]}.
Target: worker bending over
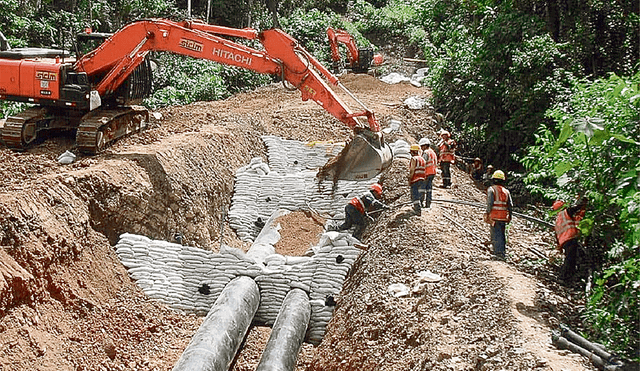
{"points": [[431, 160], [567, 234], [356, 211], [477, 170], [498, 213], [417, 167]]}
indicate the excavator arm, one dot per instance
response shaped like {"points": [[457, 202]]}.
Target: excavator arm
{"points": [[339, 36], [91, 96], [365, 156], [119, 56]]}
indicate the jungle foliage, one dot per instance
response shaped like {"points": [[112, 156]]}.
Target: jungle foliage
{"points": [[549, 88]]}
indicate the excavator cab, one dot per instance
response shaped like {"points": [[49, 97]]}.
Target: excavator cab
{"points": [[362, 158]]}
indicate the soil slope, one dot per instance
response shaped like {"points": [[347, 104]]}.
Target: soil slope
{"points": [[66, 302]]}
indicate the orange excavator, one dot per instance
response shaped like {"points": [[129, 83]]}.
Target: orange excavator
{"points": [[358, 59], [95, 94]]}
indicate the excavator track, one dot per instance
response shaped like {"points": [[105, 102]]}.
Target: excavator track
{"points": [[21, 130], [100, 128]]}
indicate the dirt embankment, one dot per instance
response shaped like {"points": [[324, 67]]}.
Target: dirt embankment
{"points": [[66, 302]]}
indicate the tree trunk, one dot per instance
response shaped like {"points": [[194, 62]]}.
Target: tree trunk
{"points": [[272, 5]]}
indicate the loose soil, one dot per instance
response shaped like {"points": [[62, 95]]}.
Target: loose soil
{"points": [[66, 302]]}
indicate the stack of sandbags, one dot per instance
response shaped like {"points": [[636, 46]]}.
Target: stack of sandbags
{"points": [[256, 166], [288, 185], [401, 149], [333, 258], [183, 277], [289, 156], [191, 279]]}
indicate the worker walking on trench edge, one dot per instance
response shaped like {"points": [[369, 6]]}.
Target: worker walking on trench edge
{"points": [[567, 235], [357, 210], [417, 168], [431, 160], [498, 213]]}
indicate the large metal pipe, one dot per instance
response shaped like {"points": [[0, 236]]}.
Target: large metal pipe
{"points": [[216, 342], [287, 334]]}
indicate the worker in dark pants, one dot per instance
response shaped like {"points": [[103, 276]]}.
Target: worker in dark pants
{"points": [[498, 213], [356, 210], [431, 159], [567, 234], [417, 167], [447, 156]]}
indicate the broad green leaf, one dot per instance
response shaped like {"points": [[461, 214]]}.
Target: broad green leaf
{"points": [[587, 125], [585, 226], [565, 133], [622, 138], [599, 136], [562, 167]]}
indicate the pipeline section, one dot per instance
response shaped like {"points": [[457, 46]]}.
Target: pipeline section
{"points": [[287, 334], [218, 339]]}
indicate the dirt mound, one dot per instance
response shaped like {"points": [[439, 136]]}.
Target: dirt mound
{"points": [[66, 302]]}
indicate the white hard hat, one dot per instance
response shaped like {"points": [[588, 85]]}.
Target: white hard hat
{"points": [[424, 142]]}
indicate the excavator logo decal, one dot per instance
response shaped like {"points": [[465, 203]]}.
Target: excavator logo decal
{"points": [[231, 56], [309, 90], [191, 45], [46, 75]]}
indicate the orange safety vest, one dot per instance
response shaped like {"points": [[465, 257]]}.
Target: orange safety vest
{"points": [[500, 208], [419, 171], [431, 162], [447, 151], [566, 227], [357, 202]]}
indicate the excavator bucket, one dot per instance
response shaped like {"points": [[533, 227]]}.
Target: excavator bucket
{"points": [[364, 157]]}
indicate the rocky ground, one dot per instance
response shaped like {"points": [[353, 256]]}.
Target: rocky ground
{"points": [[66, 302]]}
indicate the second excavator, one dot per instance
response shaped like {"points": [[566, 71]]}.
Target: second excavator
{"points": [[95, 94]]}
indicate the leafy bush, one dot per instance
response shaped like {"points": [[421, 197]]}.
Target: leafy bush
{"points": [[613, 307], [595, 153], [394, 19], [310, 29]]}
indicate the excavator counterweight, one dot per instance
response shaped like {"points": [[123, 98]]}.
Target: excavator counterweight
{"points": [[93, 94]]}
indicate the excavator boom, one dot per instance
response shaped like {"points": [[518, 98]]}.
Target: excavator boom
{"points": [[121, 61]]}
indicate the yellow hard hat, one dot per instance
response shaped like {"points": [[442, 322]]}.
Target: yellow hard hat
{"points": [[498, 174], [415, 147]]}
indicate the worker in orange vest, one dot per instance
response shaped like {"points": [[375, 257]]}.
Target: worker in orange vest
{"points": [[567, 234], [477, 170], [356, 211], [431, 159], [498, 213], [447, 156], [417, 168]]}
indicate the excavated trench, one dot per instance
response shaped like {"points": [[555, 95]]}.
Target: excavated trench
{"points": [[160, 209], [197, 281]]}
